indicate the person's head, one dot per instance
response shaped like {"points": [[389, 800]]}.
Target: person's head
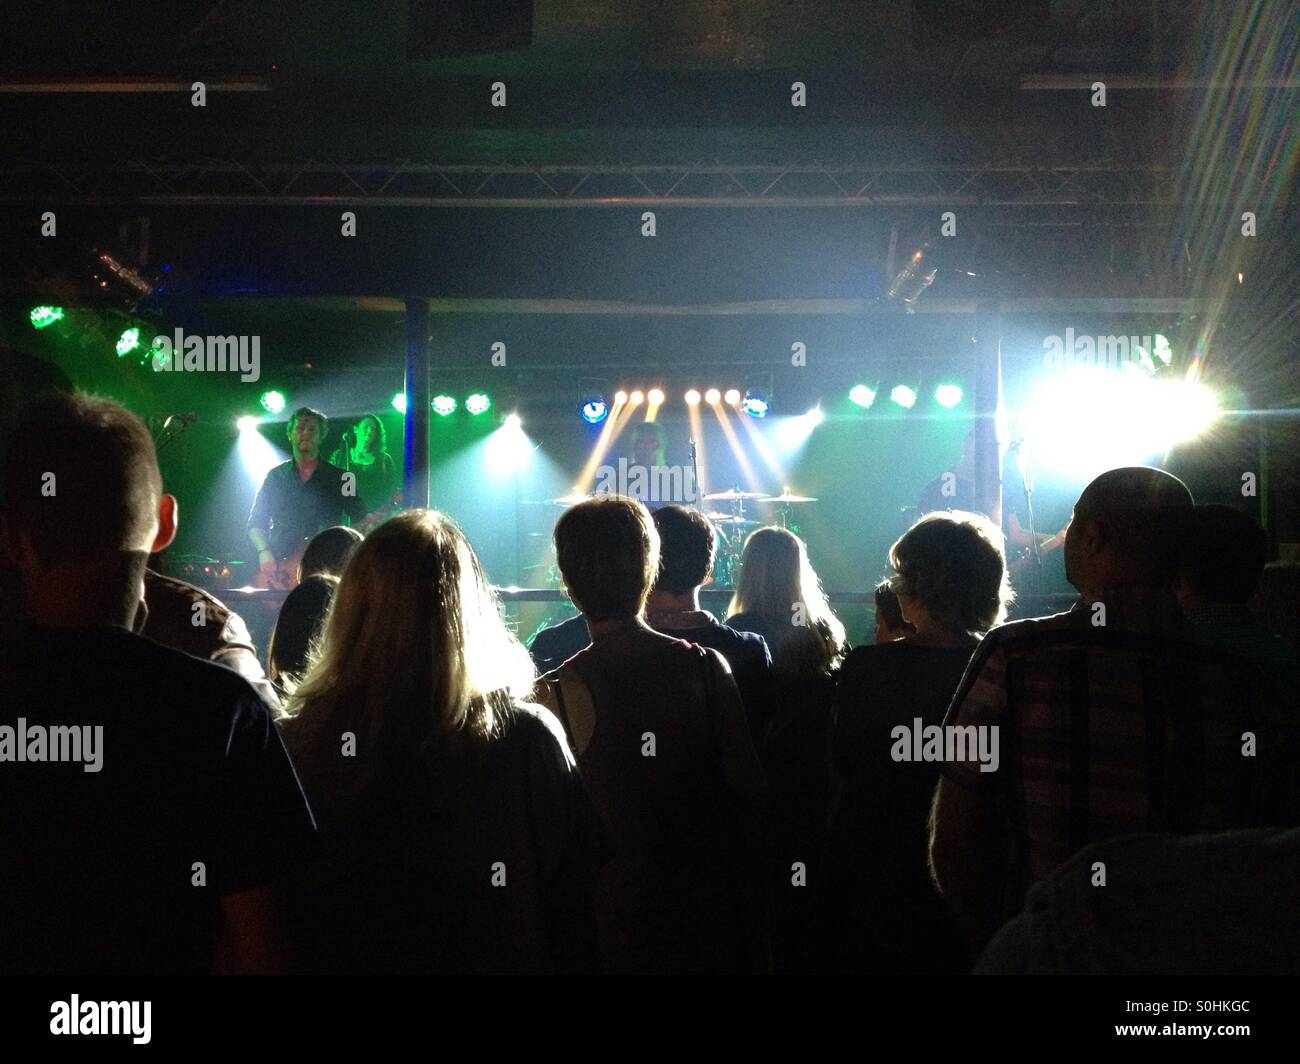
{"points": [[686, 545], [778, 583], [890, 625], [1123, 530], [648, 444], [950, 575], [307, 432], [328, 552], [414, 659], [371, 436], [1221, 555], [84, 508], [608, 553]]}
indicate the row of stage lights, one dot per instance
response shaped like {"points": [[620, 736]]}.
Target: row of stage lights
{"points": [[947, 396], [595, 408], [274, 402]]}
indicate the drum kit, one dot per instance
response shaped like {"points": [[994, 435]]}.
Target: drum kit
{"points": [[727, 513]]}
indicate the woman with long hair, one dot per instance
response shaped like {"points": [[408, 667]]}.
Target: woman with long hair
{"points": [[364, 454], [457, 834], [780, 597], [882, 913]]}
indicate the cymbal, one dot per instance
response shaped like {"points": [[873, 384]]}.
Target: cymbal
{"points": [[732, 495], [785, 496]]}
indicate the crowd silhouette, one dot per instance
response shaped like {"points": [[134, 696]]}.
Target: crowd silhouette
{"points": [[406, 789]]}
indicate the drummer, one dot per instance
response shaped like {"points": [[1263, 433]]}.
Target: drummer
{"points": [[649, 479]]}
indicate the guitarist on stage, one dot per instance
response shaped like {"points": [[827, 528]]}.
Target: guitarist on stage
{"points": [[298, 498]]}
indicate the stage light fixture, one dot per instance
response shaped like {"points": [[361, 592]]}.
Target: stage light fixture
{"points": [[247, 423], [477, 403], [444, 405], [272, 402], [732, 397], [620, 397], [903, 396], [594, 410], [713, 396], [42, 317], [638, 397], [128, 341], [947, 395], [514, 421], [754, 404], [692, 397], [399, 402], [862, 395], [656, 396]]}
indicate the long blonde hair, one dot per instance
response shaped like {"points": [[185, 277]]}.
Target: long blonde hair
{"points": [[414, 660], [777, 581]]}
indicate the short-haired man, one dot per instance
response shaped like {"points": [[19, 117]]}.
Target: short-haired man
{"points": [[659, 733], [299, 498], [1110, 719], [146, 801], [686, 547]]}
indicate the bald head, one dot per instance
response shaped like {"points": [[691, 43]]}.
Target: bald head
{"points": [[1123, 529]]}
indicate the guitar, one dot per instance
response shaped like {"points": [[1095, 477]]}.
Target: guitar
{"points": [[1023, 560], [283, 576]]}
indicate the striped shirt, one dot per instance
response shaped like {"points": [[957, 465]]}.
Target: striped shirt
{"points": [[1118, 727]]}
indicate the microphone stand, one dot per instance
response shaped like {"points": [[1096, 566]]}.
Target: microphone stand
{"points": [[695, 473], [1026, 480]]}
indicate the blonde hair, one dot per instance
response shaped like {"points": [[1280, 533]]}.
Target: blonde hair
{"points": [[414, 660], [775, 577]]}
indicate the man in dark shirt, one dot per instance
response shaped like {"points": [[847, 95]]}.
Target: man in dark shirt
{"points": [[301, 497], [146, 801], [687, 543]]}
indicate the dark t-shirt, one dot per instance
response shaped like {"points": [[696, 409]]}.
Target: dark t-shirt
{"points": [[496, 877], [99, 868], [883, 910], [293, 510], [552, 647], [751, 665], [376, 482]]}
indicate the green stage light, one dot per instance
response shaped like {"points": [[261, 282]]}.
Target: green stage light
{"points": [[444, 405], [128, 341], [273, 402], [40, 317], [862, 396], [903, 396], [399, 402], [477, 403], [947, 395]]}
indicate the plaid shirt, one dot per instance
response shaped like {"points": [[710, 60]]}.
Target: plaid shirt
{"points": [[1124, 727]]}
